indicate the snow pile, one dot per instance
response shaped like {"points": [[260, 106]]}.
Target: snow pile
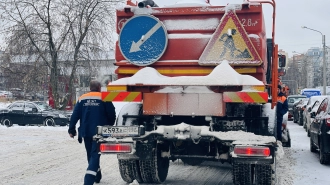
{"points": [[239, 137], [222, 74], [135, 182], [4, 104], [141, 11], [188, 89], [267, 111], [284, 167]]}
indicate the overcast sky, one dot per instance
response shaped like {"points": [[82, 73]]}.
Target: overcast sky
{"points": [[291, 15]]}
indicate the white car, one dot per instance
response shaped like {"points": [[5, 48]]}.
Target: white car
{"points": [[312, 106], [6, 94]]}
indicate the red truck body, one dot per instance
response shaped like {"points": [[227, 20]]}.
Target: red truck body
{"points": [[225, 67]]}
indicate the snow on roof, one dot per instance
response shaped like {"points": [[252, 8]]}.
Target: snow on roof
{"points": [[223, 74], [234, 7], [190, 36], [190, 24], [189, 3], [311, 89], [188, 89]]}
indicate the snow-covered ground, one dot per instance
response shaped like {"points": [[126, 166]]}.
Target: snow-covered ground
{"points": [[47, 155]]}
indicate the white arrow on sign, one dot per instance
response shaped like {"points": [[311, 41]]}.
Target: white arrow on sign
{"points": [[136, 45]]}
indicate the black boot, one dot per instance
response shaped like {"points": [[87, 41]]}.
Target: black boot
{"points": [[98, 177]]}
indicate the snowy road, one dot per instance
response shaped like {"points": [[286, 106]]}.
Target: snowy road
{"points": [[33, 155]]}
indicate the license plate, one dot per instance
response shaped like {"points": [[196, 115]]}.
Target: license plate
{"points": [[120, 131]]}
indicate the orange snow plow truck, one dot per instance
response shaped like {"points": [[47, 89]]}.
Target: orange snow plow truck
{"points": [[201, 82]]}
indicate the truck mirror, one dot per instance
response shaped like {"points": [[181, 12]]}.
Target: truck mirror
{"points": [[281, 60]]}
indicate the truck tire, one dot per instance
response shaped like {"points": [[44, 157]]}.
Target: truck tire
{"points": [[324, 158], [263, 174], [129, 170], [242, 174], [156, 169]]}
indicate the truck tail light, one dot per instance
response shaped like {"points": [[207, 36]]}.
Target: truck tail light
{"points": [[252, 151], [115, 148], [328, 122]]}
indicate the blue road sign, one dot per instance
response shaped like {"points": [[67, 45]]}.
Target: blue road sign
{"points": [[143, 40]]}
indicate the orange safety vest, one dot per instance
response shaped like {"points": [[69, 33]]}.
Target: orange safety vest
{"points": [[281, 99]]}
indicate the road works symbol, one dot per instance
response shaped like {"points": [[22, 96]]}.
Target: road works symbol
{"points": [[230, 42], [143, 40]]}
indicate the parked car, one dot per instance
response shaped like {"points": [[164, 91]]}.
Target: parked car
{"points": [[33, 113], [320, 132], [6, 94], [298, 109], [291, 100], [312, 106], [45, 105]]}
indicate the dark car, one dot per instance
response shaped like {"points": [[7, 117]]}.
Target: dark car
{"points": [[33, 113], [291, 100], [320, 132], [298, 109]]}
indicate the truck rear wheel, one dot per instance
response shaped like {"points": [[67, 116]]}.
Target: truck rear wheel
{"points": [[129, 170], [156, 169], [263, 174], [242, 174]]}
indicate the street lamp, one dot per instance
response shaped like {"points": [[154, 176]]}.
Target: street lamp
{"points": [[324, 63]]}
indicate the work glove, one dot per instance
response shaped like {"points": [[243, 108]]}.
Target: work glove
{"points": [[80, 139], [72, 132]]}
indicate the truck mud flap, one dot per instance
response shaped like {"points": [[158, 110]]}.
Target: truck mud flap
{"points": [[144, 151]]}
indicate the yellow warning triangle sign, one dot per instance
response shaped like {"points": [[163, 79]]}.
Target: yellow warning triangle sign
{"points": [[230, 42]]}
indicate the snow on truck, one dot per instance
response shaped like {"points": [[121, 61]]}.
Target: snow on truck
{"points": [[202, 85]]}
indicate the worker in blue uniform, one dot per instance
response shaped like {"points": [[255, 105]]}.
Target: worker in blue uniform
{"points": [[282, 108], [91, 111]]}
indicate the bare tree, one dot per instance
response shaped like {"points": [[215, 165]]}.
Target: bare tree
{"points": [[58, 30]]}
